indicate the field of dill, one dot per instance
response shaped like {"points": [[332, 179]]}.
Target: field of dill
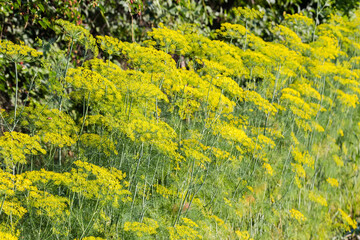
{"points": [[184, 136]]}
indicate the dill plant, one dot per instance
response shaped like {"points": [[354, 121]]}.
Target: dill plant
{"points": [[187, 137]]}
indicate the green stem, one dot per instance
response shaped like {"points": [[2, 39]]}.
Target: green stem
{"points": [[85, 114], [16, 94], [66, 69]]}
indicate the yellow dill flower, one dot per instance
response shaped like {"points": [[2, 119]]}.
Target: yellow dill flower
{"points": [[263, 104], [299, 19], [102, 143], [158, 133], [295, 214], [349, 100], [187, 231], [148, 227], [333, 182], [306, 90], [299, 170], [54, 207], [196, 150], [325, 47], [232, 31], [303, 124], [294, 139], [170, 41], [317, 198], [165, 192], [78, 34], [100, 87], [189, 222], [220, 154], [243, 235], [268, 169], [298, 182], [52, 126], [232, 133], [106, 185], [250, 188], [298, 106], [248, 13], [7, 236], [17, 53], [15, 145], [110, 45], [218, 220], [264, 141], [302, 25], [347, 219], [290, 38], [91, 238], [148, 59], [302, 158], [13, 208]]}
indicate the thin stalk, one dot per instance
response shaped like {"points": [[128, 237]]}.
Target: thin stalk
{"points": [[92, 217], [66, 69], [16, 93], [132, 29], [85, 112], [2, 204], [187, 193]]}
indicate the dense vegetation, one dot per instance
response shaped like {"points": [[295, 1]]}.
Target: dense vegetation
{"points": [[187, 132]]}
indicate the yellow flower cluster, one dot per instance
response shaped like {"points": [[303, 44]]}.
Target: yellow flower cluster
{"points": [[78, 34], [263, 104], [101, 143], [89, 180], [218, 220], [333, 182], [7, 236], [302, 158], [317, 198], [243, 235], [298, 106], [248, 13], [297, 215], [15, 145], [92, 83], [163, 191], [299, 19], [110, 45], [159, 133], [299, 170], [147, 227], [148, 59], [268, 168], [290, 39], [169, 41], [232, 133], [49, 205], [347, 220], [13, 208], [107, 184], [17, 52], [194, 149], [53, 126], [349, 100], [10, 184], [91, 238], [232, 31], [188, 231]]}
